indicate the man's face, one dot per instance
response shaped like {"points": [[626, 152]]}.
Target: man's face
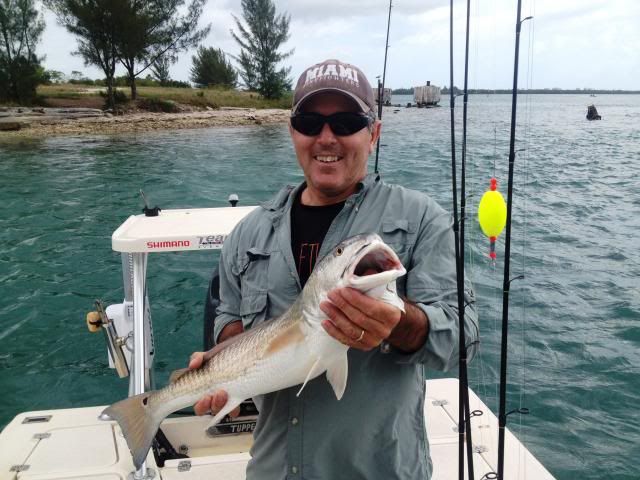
{"points": [[332, 164]]}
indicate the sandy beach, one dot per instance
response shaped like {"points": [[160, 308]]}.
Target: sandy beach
{"points": [[43, 122]]}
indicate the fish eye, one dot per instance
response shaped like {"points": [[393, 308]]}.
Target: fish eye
{"points": [[339, 251]]}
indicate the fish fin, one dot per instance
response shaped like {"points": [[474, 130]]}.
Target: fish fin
{"points": [[337, 373], [310, 375], [139, 423], [177, 374], [228, 407]]}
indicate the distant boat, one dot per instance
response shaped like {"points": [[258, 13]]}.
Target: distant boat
{"points": [[592, 113]]}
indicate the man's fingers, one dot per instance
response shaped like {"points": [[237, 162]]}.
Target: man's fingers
{"points": [[359, 302], [196, 360], [209, 403], [380, 317], [356, 318], [203, 405], [341, 322], [365, 344], [352, 313], [346, 332], [220, 399], [214, 403]]}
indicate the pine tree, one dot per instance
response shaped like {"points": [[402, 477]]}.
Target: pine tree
{"points": [[96, 26], [133, 32], [211, 67], [151, 29], [160, 68], [260, 40], [21, 26]]}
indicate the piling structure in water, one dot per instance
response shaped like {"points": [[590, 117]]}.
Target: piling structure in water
{"points": [[426, 95]]}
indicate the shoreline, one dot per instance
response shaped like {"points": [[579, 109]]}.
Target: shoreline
{"points": [[39, 123]]}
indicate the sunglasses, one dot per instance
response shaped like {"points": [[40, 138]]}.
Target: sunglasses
{"points": [[340, 123]]}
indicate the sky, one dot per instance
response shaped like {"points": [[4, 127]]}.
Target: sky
{"points": [[568, 44]]}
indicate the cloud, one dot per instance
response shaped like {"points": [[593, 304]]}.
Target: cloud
{"points": [[320, 11], [569, 43]]}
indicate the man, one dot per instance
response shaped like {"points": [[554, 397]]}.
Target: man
{"points": [[377, 430]]}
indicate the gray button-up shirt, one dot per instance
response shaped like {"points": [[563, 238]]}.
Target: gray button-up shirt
{"points": [[378, 428]]}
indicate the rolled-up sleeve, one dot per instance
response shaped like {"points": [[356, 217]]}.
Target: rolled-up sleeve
{"points": [[432, 285], [230, 291]]}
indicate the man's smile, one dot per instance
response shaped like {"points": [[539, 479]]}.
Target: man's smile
{"points": [[327, 158]]}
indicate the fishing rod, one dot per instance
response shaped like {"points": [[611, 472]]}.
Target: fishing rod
{"points": [[464, 416], [502, 416], [381, 85]]}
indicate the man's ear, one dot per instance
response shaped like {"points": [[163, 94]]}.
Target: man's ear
{"points": [[375, 134]]}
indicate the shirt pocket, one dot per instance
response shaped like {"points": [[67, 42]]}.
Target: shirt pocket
{"points": [[254, 271], [400, 235], [253, 309]]}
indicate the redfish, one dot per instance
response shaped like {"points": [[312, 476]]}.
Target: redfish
{"points": [[277, 354]]}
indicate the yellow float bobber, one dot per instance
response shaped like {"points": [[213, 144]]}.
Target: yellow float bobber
{"points": [[492, 215]]}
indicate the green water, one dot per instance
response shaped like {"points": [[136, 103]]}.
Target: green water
{"points": [[575, 331]]}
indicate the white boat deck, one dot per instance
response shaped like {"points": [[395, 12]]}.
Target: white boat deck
{"points": [[73, 443]]}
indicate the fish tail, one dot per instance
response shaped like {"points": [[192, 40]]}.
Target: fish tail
{"points": [[139, 422]]}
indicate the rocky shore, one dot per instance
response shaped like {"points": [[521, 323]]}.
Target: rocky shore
{"points": [[42, 122]]}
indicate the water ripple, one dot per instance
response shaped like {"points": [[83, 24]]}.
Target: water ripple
{"points": [[574, 335]]}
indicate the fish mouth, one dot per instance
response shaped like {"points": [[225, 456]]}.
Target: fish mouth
{"points": [[375, 264]]}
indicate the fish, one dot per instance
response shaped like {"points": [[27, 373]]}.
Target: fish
{"points": [[283, 352]]}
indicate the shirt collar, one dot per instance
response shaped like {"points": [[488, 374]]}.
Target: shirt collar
{"points": [[284, 198]]}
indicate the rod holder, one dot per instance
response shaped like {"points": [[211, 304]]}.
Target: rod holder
{"points": [[115, 343]]}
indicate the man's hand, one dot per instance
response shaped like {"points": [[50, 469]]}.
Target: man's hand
{"points": [[213, 403], [357, 320], [362, 322], [209, 403]]}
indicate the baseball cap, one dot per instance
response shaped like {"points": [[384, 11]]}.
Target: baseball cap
{"points": [[334, 76]]}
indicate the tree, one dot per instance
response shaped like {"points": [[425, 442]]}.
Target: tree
{"points": [[95, 23], [21, 26], [259, 41], [153, 28], [211, 67], [54, 76], [131, 32], [160, 68]]}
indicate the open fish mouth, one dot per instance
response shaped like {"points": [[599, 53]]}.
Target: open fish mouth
{"points": [[375, 264]]}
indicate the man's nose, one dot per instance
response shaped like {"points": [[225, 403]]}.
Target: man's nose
{"points": [[326, 135]]}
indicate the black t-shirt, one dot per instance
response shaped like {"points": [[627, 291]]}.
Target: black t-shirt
{"points": [[309, 225]]}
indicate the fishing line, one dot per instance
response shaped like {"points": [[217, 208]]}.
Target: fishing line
{"points": [[481, 381], [464, 415], [495, 147], [457, 245], [495, 156], [502, 417], [482, 386], [473, 158], [381, 85], [525, 220]]}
